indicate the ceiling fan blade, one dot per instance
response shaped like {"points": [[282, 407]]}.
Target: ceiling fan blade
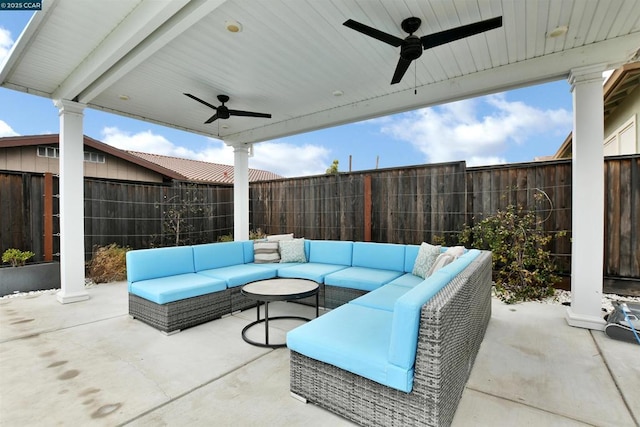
{"points": [[436, 39], [248, 114], [372, 32], [401, 68], [195, 98], [212, 119]]}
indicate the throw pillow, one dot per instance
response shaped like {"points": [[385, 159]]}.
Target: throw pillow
{"points": [[455, 251], [278, 237], [292, 250], [441, 261], [265, 252], [427, 255]]}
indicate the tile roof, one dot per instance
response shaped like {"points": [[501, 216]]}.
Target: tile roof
{"points": [[197, 170]]}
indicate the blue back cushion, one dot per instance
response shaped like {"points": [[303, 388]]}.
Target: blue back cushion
{"points": [[408, 307], [144, 264], [216, 255], [383, 256], [410, 255], [330, 252], [247, 248]]}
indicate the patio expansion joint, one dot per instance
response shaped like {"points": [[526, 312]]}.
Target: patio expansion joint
{"points": [[528, 405], [613, 378], [196, 388]]}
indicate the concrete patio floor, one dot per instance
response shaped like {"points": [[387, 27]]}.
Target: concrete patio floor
{"points": [[89, 363]]}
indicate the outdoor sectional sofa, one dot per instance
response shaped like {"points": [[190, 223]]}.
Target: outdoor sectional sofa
{"points": [[396, 349], [174, 288]]}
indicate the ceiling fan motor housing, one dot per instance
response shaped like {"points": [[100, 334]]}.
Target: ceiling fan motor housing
{"points": [[411, 48], [223, 112]]}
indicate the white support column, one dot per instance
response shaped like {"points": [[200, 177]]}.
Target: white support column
{"points": [[71, 202], [587, 200], [241, 192]]}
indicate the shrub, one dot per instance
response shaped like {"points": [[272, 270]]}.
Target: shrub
{"points": [[523, 266], [16, 257], [108, 264], [253, 235]]}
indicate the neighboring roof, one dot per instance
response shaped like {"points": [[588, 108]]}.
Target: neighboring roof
{"points": [[621, 83], [172, 168], [53, 139], [197, 170], [301, 64]]}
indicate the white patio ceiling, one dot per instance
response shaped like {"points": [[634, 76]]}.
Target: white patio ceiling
{"points": [[291, 56]]}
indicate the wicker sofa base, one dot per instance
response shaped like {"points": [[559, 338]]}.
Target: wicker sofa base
{"points": [[335, 296], [178, 315], [452, 326]]}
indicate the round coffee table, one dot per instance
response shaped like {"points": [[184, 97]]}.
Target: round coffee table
{"points": [[276, 290]]}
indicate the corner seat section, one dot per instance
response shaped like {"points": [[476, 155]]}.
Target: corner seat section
{"points": [[361, 348]]}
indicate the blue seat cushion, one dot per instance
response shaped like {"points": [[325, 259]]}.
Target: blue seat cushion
{"points": [[238, 275], [363, 278], [273, 266], [353, 338], [409, 280], [383, 298], [310, 270], [163, 290]]}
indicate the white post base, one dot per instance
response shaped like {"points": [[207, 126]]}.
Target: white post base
{"points": [[67, 297], [584, 321]]}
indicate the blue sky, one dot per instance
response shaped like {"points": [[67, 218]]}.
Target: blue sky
{"points": [[509, 127]]}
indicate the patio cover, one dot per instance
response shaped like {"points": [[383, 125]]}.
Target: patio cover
{"points": [[296, 61]]}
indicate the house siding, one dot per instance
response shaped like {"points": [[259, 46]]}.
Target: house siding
{"points": [[26, 159], [629, 107]]}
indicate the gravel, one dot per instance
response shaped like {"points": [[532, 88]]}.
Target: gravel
{"points": [[564, 298], [560, 297]]}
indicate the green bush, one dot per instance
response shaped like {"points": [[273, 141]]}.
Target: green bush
{"points": [[16, 257], [108, 264], [522, 264], [253, 235]]}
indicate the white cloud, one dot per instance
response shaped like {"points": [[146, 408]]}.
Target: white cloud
{"points": [[290, 160], [281, 158], [6, 42], [6, 130], [146, 142], [458, 131]]}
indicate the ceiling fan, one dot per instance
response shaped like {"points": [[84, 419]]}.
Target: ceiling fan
{"points": [[412, 46], [222, 112]]}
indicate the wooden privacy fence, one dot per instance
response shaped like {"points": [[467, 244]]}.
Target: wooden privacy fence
{"points": [[129, 214], [142, 215], [400, 205], [434, 202]]}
